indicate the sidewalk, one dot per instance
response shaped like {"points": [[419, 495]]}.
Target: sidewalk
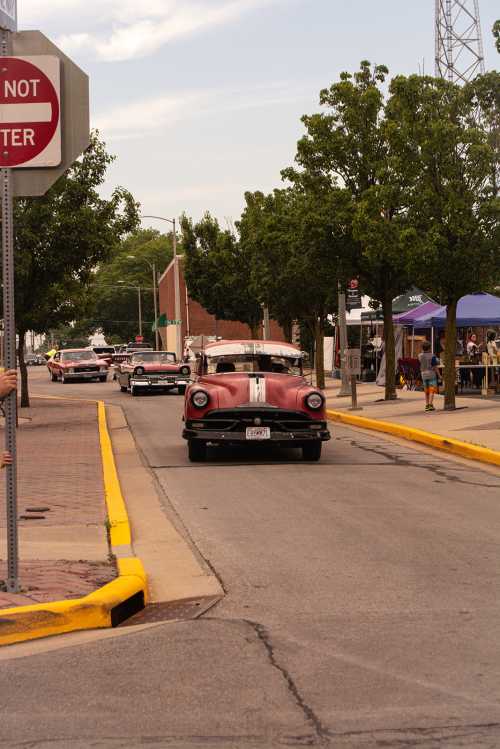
{"points": [[62, 529], [476, 420]]}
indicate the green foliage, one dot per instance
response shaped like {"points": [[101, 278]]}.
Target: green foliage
{"points": [[218, 272], [439, 135], [113, 297], [62, 236], [346, 146], [496, 34]]}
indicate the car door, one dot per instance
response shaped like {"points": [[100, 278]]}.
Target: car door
{"points": [[54, 364]]}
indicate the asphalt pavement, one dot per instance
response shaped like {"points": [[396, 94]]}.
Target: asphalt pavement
{"points": [[361, 606]]}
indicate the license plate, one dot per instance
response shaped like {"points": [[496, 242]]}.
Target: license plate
{"points": [[258, 433]]}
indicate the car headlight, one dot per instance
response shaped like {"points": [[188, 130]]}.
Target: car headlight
{"points": [[186, 371], [139, 371], [199, 399], [314, 401]]}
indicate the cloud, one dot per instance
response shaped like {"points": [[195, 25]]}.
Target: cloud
{"points": [[117, 30], [153, 115]]}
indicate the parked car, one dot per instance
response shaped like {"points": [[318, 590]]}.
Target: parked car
{"points": [[248, 392], [152, 370], [34, 360], [77, 364]]}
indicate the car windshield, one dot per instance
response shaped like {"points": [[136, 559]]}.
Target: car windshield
{"points": [[254, 363], [78, 356], [160, 357], [99, 351]]}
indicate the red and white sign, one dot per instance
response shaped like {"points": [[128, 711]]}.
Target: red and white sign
{"points": [[30, 123]]}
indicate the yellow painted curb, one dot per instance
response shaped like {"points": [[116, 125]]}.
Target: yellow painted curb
{"points": [[450, 445], [105, 607]]}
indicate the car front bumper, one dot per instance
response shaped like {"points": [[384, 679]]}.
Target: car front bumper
{"points": [[153, 382], [83, 375], [295, 438]]}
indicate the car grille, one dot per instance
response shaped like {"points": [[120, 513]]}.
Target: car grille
{"points": [[277, 419], [86, 369]]}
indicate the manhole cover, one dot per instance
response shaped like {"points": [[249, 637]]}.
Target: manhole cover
{"points": [[190, 608]]}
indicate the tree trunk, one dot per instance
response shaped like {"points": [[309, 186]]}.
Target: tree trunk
{"points": [[25, 397], [319, 358], [390, 349], [449, 356], [255, 330], [287, 330]]}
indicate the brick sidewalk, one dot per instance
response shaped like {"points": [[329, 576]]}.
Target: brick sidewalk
{"points": [[476, 419], [64, 550]]}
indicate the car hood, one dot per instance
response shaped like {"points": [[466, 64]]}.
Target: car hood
{"points": [[82, 362], [264, 389]]}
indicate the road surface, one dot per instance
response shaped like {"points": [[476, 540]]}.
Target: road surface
{"points": [[361, 609]]}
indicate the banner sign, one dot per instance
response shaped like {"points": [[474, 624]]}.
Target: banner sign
{"points": [[353, 295], [8, 15]]}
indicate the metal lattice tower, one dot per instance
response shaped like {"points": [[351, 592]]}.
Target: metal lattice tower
{"points": [[459, 43]]}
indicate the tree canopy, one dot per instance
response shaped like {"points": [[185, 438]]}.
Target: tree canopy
{"points": [[113, 294], [60, 238], [218, 272]]}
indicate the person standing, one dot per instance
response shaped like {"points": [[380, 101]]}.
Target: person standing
{"points": [[428, 369]]}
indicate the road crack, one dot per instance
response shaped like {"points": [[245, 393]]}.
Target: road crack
{"points": [[314, 721]]}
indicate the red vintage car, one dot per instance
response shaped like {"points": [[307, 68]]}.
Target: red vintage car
{"points": [[152, 370], [253, 392], [77, 364]]}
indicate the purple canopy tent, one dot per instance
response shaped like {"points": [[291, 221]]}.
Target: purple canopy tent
{"points": [[408, 318]]}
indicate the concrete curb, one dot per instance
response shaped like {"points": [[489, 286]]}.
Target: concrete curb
{"points": [[448, 444], [106, 607]]}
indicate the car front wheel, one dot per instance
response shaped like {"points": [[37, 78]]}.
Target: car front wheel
{"points": [[103, 379], [134, 391], [312, 451], [53, 376], [197, 451]]}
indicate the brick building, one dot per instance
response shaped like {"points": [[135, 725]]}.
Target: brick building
{"points": [[195, 320]]}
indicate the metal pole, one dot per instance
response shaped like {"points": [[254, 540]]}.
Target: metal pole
{"points": [[157, 345], [139, 309], [177, 298], [10, 402], [345, 389], [266, 323]]}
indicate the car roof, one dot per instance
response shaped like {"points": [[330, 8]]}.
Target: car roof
{"points": [[269, 348], [152, 351]]}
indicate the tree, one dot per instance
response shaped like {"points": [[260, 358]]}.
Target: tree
{"points": [[59, 240], [496, 33], [453, 210], [347, 147], [113, 294], [218, 272], [298, 241]]}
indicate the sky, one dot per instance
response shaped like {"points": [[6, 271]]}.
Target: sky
{"points": [[200, 100]]}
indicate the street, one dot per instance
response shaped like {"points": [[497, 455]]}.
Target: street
{"points": [[361, 606]]}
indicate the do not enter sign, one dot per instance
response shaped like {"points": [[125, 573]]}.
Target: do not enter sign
{"points": [[30, 132]]}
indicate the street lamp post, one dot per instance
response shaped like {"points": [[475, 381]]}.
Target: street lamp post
{"points": [[155, 298], [177, 286]]}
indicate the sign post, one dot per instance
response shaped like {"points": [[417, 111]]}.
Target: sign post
{"points": [[353, 367], [33, 142], [10, 402]]}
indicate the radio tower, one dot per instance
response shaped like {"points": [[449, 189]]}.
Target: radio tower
{"points": [[459, 44]]}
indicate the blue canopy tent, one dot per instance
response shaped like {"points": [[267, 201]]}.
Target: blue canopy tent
{"points": [[473, 311]]}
